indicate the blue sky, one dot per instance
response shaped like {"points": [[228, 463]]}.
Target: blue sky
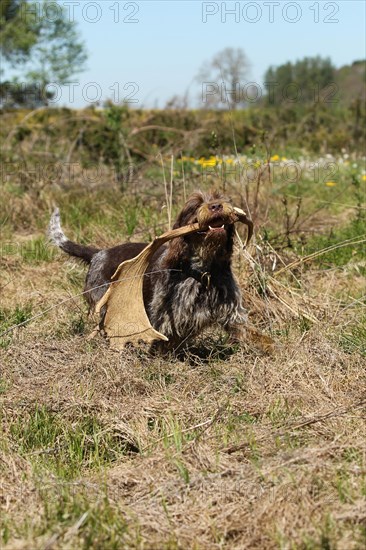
{"points": [[162, 51]]}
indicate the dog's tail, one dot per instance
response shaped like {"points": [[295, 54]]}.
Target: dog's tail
{"points": [[57, 235]]}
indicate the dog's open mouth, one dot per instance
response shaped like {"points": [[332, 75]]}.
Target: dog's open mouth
{"points": [[217, 225], [215, 219]]}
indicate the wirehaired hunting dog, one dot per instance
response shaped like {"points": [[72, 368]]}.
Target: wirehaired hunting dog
{"points": [[189, 284]]}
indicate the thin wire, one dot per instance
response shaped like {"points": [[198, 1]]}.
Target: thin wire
{"points": [[10, 329]]}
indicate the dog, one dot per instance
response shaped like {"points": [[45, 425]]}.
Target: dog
{"points": [[189, 284]]}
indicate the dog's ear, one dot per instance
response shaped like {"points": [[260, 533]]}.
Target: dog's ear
{"points": [[188, 215], [178, 251]]}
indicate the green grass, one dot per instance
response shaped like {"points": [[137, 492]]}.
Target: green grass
{"points": [[60, 452], [32, 252], [353, 337], [280, 411], [78, 325], [343, 255], [11, 317], [54, 444], [4, 384], [37, 250], [100, 523]]}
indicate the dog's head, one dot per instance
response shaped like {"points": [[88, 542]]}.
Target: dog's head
{"points": [[216, 217]]}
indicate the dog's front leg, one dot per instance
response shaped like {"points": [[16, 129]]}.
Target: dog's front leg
{"points": [[242, 333]]}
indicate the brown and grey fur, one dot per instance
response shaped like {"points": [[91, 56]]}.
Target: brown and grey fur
{"points": [[189, 284]]}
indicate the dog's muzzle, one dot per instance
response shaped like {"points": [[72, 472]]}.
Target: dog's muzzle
{"points": [[216, 216]]}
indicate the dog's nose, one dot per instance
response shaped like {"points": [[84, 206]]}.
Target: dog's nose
{"points": [[217, 207]]}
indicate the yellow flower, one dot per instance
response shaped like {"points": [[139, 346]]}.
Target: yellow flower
{"points": [[275, 158], [364, 177], [209, 162], [330, 183], [284, 159]]}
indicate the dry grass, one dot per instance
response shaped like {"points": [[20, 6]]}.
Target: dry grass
{"points": [[247, 452], [224, 449]]}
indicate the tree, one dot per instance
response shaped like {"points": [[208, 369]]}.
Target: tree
{"points": [[51, 51], [224, 78], [299, 82], [18, 31], [58, 54]]}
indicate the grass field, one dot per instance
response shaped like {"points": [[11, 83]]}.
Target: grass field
{"points": [[227, 449]]}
